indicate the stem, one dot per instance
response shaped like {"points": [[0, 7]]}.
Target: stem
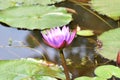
{"points": [[64, 65]]}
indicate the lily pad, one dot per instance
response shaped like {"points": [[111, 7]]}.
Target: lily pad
{"points": [[107, 71], [89, 78], [35, 17], [45, 78], [11, 3], [110, 44], [85, 33], [109, 8], [27, 69]]}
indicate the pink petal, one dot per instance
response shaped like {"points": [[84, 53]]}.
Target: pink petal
{"points": [[71, 37], [48, 43], [65, 30]]}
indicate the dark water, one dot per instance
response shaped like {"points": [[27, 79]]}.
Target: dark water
{"points": [[16, 44]]}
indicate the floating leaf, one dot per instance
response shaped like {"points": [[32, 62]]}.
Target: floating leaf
{"points": [[89, 78], [35, 17], [11, 3], [83, 78], [107, 7], [27, 69], [111, 44], [107, 71], [103, 73], [85, 33], [45, 78]]}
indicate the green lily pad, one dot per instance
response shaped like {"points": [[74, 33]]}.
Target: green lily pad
{"points": [[83, 78], [89, 78], [35, 17], [107, 71], [11, 3], [85, 33], [109, 8], [104, 72], [111, 44], [45, 78], [27, 69]]}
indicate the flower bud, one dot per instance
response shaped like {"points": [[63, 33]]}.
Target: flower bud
{"points": [[118, 59]]}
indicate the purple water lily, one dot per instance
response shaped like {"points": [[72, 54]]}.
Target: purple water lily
{"points": [[59, 38]]}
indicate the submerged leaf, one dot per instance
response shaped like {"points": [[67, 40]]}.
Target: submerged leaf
{"points": [[109, 8], [35, 17]]}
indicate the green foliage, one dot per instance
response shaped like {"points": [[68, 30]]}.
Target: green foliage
{"points": [[45, 78], [107, 7], [85, 33], [32, 14], [111, 43], [107, 71], [29, 69], [103, 73], [89, 78], [35, 17], [12, 3]]}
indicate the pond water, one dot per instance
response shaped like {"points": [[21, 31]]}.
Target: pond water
{"points": [[16, 43]]}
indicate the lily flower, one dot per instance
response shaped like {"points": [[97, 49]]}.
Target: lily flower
{"points": [[59, 38]]}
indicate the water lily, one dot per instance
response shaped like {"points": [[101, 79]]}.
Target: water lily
{"points": [[59, 38]]}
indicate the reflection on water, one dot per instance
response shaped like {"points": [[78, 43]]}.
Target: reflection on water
{"points": [[15, 35], [80, 54]]}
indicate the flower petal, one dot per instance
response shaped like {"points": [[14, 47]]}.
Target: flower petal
{"points": [[58, 40], [65, 30], [71, 37], [50, 44], [47, 38]]}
